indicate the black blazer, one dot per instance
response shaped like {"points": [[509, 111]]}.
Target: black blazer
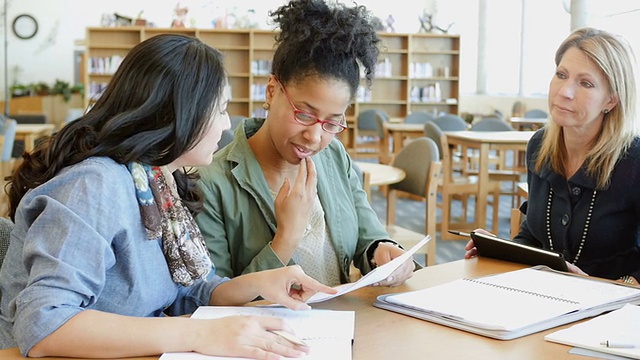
{"points": [[559, 207]]}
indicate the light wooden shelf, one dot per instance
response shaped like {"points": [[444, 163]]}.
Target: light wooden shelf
{"points": [[243, 47]]}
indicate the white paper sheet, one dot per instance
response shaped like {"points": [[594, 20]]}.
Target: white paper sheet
{"points": [[329, 333], [376, 275]]}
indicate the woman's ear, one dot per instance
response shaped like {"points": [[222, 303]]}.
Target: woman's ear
{"points": [[270, 89], [613, 101]]}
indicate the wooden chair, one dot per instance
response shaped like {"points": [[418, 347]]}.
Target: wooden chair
{"points": [[501, 172], [421, 162], [368, 134], [366, 179], [516, 214], [451, 122], [536, 114], [418, 117], [457, 185]]}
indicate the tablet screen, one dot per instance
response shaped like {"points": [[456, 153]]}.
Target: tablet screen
{"points": [[496, 248]]}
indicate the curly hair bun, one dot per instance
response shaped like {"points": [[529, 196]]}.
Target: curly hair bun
{"points": [[324, 39]]}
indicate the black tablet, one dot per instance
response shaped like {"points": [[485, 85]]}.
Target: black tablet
{"points": [[496, 248]]}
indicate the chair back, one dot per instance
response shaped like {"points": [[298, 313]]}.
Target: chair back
{"points": [[367, 120], [536, 114], [420, 161], [9, 133], [491, 124], [417, 171], [451, 122], [381, 118], [434, 132], [418, 117]]}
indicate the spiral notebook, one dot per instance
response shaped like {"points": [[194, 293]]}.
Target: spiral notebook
{"points": [[328, 333], [512, 304]]}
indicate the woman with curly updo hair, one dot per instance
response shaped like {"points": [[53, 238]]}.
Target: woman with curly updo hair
{"points": [[285, 191]]}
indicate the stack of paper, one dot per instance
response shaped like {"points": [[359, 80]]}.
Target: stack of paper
{"points": [[328, 333], [620, 326]]}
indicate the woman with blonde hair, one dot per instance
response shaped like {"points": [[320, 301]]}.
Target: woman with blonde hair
{"points": [[584, 165]]}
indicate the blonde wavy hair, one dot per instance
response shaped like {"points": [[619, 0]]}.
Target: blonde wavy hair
{"points": [[613, 55]]}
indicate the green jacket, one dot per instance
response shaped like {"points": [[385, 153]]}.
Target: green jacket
{"points": [[238, 220]]}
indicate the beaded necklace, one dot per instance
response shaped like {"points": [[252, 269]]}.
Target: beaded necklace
{"points": [[586, 223]]}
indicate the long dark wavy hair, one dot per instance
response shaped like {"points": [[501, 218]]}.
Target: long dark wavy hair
{"points": [[326, 41], [156, 107]]}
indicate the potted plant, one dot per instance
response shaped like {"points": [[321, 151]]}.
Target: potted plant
{"points": [[62, 88], [18, 90], [42, 88]]}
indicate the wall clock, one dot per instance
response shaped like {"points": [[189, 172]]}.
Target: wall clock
{"points": [[25, 26]]}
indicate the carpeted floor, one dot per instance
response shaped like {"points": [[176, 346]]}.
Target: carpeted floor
{"points": [[410, 215]]}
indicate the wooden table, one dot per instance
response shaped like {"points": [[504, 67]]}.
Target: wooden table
{"points": [[381, 174], [519, 122], [397, 133], [382, 334], [29, 133], [485, 141]]}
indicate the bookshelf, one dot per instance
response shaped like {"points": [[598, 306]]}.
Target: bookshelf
{"points": [[416, 72]]}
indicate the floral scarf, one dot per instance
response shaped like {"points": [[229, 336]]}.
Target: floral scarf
{"points": [[164, 215]]}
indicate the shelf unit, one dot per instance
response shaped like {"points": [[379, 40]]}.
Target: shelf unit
{"points": [[248, 52]]}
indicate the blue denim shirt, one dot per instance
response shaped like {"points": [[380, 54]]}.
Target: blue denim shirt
{"points": [[79, 243]]}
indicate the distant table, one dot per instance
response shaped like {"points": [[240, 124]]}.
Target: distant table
{"points": [[381, 174], [29, 133], [486, 141], [519, 122], [398, 132]]}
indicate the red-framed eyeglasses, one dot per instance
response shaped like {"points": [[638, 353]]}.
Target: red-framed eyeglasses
{"points": [[307, 119]]}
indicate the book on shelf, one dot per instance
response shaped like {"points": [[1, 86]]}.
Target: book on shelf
{"points": [[512, 304], [328, 333], [620, 327]]}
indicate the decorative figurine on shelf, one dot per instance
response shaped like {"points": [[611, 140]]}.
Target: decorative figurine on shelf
{"points": [[108, 20], [390, 20], [426, 24], [139, 20], [179, 16]]}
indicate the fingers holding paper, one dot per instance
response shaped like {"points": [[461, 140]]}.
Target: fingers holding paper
{"points": [[291, 287], [386, 252]]}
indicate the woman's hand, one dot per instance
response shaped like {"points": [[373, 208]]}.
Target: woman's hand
{"points": [[293, 206], [288, 286], [386, 252], [470, 247], [574, 269], [247, 337]]}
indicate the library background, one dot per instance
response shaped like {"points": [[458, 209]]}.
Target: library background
{"points": [[435, 60]]}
